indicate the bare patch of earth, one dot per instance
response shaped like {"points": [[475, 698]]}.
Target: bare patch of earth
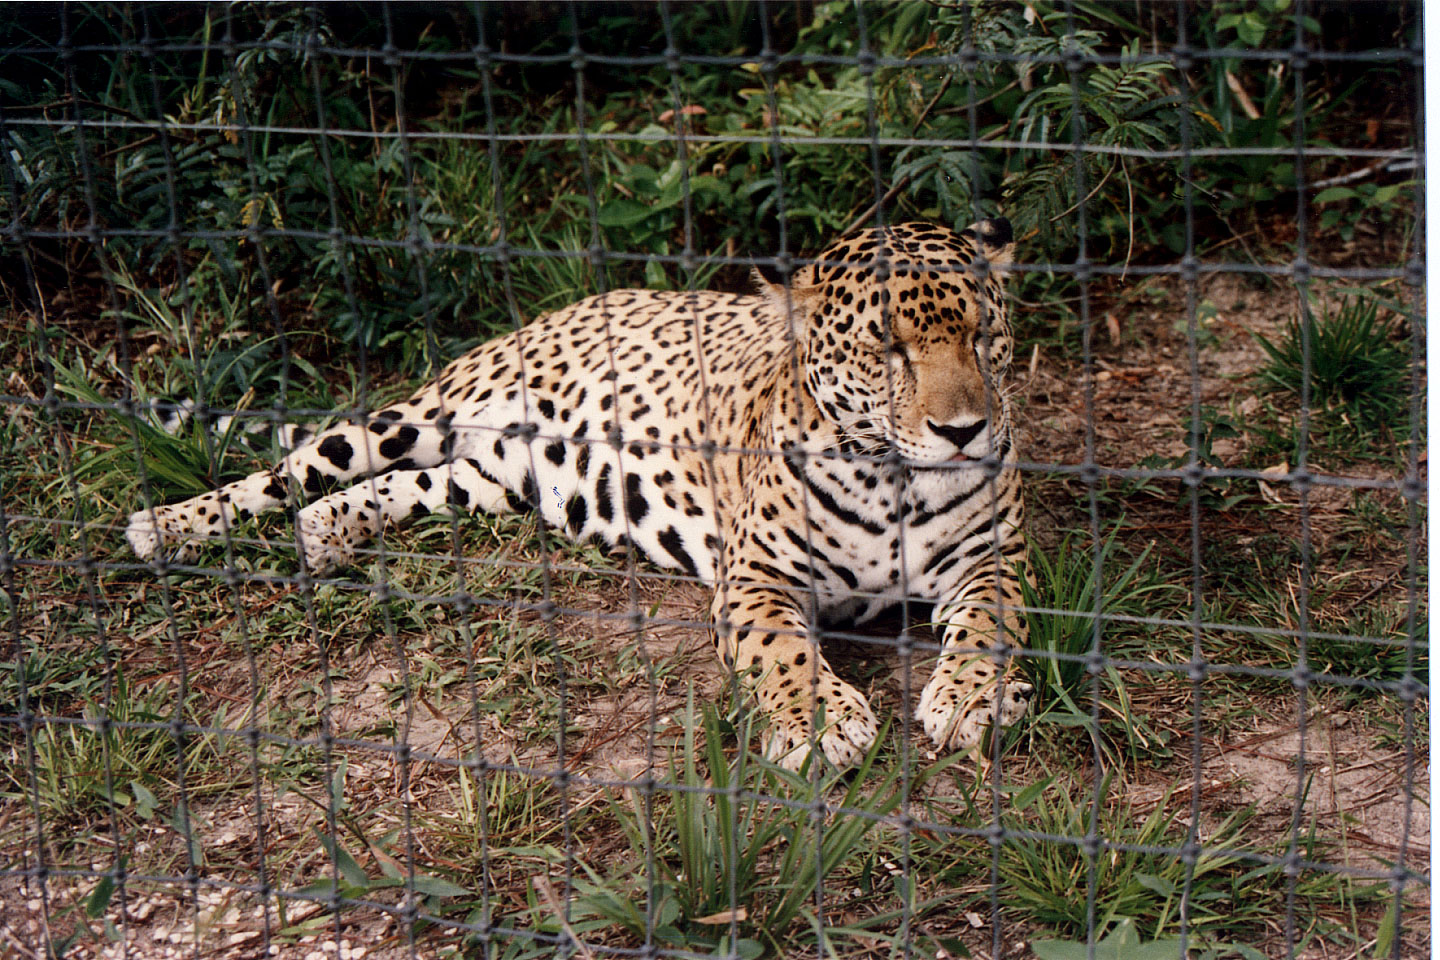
{"points": [[1364, 798]]}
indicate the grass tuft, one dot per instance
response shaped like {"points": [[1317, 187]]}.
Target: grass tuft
{"points": [[739, 849], [1357, 366], [1063, 603], [1136, 875]]}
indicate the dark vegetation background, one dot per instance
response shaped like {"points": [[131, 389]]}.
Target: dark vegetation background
{"points": [[630, 191]]}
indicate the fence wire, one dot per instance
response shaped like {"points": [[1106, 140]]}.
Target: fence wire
{"points": [[480, 739]]}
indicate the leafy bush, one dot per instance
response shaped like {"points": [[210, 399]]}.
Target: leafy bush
{"points": [[413, 276]]}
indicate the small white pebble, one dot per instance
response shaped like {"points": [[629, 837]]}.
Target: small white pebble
{"points": [[329, 946]]}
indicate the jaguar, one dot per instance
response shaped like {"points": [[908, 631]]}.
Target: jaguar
{"points": [[817, 451]]}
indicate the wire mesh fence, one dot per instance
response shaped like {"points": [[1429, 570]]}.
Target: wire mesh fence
{"points": [[478, 709]]}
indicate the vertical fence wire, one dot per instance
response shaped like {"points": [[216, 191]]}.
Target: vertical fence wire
{"points": [[565, 888], [1189, 852]]}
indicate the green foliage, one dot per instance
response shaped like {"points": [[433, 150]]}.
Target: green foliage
{"points": [[1060, 595], [414, 276], [1384, 653], [417, 276], [1047, 881], [1369, 641], [1357, 366], [207, 355], [354, 881], [1250, 103], [1124, 106], [1065, 602], [105, 761], [1343, 207], [1214, 493], [1122, 943], [740, 835], [1258, 23]]}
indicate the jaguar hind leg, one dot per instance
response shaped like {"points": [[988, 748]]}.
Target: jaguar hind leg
{"points": [[395, 437], [335, 526]]}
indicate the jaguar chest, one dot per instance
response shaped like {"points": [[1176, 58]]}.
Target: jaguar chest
{"points": [[875, 534]]}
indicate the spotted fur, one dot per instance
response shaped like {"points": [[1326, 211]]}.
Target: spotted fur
{"points": [[815, 451]]}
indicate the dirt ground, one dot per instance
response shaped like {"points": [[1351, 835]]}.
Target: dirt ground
{"points": [[1364, 792]]}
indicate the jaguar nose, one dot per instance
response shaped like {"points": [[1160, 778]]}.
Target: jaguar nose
{"points": [[960, 436]]}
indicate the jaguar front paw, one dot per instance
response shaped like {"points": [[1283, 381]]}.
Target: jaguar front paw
{"points": [[847, 728], [956, 711]]}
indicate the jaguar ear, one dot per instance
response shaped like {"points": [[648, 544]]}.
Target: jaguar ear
{"points": [[996, 237], [797, 297]]}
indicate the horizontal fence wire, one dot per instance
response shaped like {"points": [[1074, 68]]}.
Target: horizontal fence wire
{"points": [[226, 224]]}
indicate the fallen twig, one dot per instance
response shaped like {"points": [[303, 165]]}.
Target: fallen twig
{"points": [[1353, 175]]}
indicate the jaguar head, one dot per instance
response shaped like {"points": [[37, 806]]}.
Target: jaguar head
{"points": [[904, 339]]}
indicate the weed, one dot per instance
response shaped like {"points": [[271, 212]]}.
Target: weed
{"points": [[209, 358], [1122, 942], [84, 767], [1218, 493], [54, 678], [1368, 643], [1251, 103], [1135, 875], [1385, 203], [1067, 607], [740, 852], [1356, 368]]}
